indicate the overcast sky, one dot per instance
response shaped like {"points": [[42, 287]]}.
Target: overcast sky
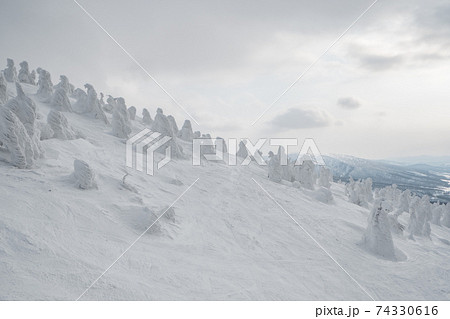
{"points": [[382, 91]]}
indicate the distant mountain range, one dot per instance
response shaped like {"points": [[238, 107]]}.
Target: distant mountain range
{"points": [[422, 175]]}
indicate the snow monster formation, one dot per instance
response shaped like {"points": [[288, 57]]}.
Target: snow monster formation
{"points": [[45, 86], [121, 125], [132, 113], [146, 118], [83, 175], [24, 74], [89, 103], [61, 101], [186, 133], [10, 71], [60, 126], [377, 237], [19, 131], [65, 85], [3, 89], [162, 125]]}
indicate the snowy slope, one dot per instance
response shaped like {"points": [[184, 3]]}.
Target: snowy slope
{"points": [[228, 239]]}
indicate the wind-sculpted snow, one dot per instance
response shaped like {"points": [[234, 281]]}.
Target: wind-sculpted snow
{"points": [[46, 131], [10, 71], [121, 125], [61, 101], [60, 126], [65, 85], [132, 113], [45, 85], [24, 74], [186, 133], [83, 175]]}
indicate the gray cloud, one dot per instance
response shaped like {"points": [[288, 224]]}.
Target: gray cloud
{"points": [[348, 103], [295, 118], [378, 62]]}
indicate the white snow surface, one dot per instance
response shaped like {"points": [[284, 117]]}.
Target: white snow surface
{"points": [[224, 239]]}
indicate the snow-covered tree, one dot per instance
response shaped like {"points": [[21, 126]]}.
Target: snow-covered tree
{"points": [[420, 216], [197, 134], [173, 125], [359, 192], [110, 104], [19, 131], [437, 210], [304, 173], [161, 124], [377, 237], [65, 85], [10, 71], [325, 177], [61, 101], [121, 125], [33, 77], [242, 151], [83, 175], [46, 131], [274, 166], [446, 216], [45, 85], [186, 133], [24, 73], [3, 89], [146, 118], [89, 104], [60, 126], [132, 113]]}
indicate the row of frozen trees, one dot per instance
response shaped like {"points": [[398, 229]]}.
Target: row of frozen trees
{"points": [[388, 204], [21, 128]]}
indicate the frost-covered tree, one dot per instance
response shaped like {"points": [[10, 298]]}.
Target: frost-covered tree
{"points": [[446, 216], [46, 131], [161, 124], [19, 131], [274, 167], [197, 134], [14, 136], [325, 177], [377, 237], [305, 174], [65, 85], [437, 210], [110, 105], [24, 73], [360, 192], [61, 101], [89, 104], [132, 113], [83, 175], [173, 125], [3, 89], [242, 151], [121, 125], [146, 118], [287, 167], [420, 216], [60, 126], [186, 133], [10, 71], [45, 85], [33, 77]]}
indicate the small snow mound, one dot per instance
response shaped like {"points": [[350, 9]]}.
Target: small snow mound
{"points": [[169, 213], [83, 175]]}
